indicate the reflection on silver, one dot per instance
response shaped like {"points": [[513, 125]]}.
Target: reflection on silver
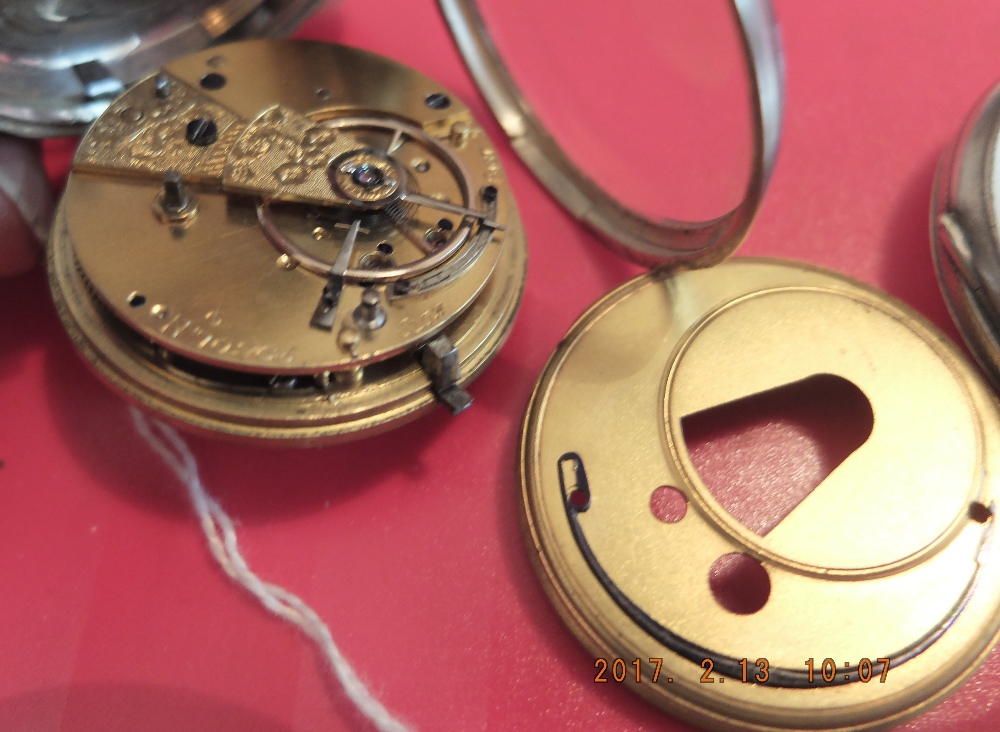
{"points": [[63, 61], [965, 240], [643, 239]]}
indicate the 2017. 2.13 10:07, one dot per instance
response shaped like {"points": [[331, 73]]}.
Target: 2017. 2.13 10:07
{"points": [[756, 672]]}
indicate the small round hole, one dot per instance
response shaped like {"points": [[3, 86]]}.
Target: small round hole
{"points": [[213, 81], [980, 513], [384, 247], [136, 300], [739, 583], [421, 166], [668, 504], [131, 114], [445, 225], [437, 100], [490, 194], [579, 499]]}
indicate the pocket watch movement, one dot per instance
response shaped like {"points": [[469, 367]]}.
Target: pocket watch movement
{"points": [[287, 241]]}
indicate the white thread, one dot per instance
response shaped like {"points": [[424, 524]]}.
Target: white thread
{"points": [[221, 536]]}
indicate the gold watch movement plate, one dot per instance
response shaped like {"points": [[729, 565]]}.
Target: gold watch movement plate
{"points": [[890, 566], [288, 241]]}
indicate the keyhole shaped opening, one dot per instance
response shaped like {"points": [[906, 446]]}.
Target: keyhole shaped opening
{"points": [[762, 455]]}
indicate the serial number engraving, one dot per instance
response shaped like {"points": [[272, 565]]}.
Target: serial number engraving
{"points": [[413, 324], [198, 334]]}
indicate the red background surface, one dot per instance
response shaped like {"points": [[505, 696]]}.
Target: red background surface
{"points": [[112, 616]]}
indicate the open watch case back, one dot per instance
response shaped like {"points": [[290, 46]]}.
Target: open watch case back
{"points": [[310, 261], [603, 436]]}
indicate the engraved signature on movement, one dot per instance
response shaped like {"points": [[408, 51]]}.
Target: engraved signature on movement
{"points": [[202, 334]]}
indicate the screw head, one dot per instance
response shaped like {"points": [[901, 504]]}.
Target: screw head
{"points": [[437, 100], [202, 132]]}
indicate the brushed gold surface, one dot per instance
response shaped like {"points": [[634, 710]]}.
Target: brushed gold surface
{"points": [[883, 559], [207, 315], [215, 291], [384, 396]]}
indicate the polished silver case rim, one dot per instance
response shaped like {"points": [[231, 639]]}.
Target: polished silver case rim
{"points": [[640, 238], [964, 233], [29, 108]]}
